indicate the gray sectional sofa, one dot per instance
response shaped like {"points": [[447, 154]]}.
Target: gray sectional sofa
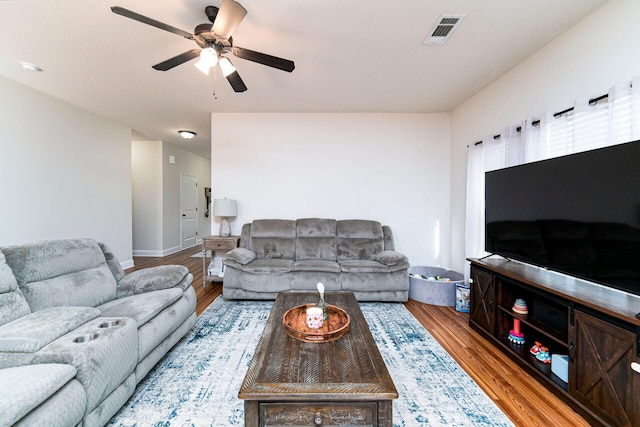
{"points": [[77, 334], [278, 255]]}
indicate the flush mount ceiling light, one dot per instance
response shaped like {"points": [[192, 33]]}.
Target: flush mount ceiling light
{"points": [[29, 66], [187, 134]]}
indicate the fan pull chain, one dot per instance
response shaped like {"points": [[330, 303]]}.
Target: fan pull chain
{"points": [[215, 82]]}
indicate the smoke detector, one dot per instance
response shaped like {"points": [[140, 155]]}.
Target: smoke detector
{"points": [[443, 29]]}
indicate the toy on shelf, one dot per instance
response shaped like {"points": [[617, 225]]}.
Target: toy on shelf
{"points": [[515, 336], [540, 352], [520, 306], [543, 355], [535, 349]]}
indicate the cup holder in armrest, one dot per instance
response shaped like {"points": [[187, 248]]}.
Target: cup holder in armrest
{"points": [[85, 338], [109, 324]]}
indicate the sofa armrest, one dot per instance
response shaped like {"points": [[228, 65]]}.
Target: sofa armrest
{"points": [[391, 258], [240, 256], [153, 279], [34, 331]]}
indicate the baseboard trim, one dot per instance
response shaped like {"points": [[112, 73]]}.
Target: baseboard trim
{"points": [[127, 264], [152, 253]]}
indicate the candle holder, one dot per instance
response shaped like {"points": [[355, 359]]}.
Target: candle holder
{"points": [[314, 317]]}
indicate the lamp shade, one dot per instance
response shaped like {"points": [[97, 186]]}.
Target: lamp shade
{"points": [[224, 208]]}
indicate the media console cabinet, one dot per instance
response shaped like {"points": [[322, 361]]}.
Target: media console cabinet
{"points": [[594, 325]]}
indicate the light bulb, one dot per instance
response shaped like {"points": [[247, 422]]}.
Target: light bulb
{"points": [[208, 59], [226, 66], [202, 66]]}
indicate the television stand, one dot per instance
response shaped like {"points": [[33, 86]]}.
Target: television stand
{"points": [[595, 326]]}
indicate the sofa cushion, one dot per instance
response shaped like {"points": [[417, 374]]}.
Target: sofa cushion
{"points": [[363, 266], [12, 303], [43, 260], [316, 239], [8, 281], [13, 306], [32, 332], [358, 239], [65, 407], [61, 273], [153, 279], [266, 266], [388, 238], [141, 307], [241, 256], [273, 238], [392, 258], [112, 262], [87, 288], [26, 387], [316, 265], [167, 321]]}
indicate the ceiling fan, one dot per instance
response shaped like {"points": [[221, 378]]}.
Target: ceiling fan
{"points": [[215, 40]]}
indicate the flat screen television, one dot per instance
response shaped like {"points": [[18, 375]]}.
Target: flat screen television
{"points": [[577, 214]]}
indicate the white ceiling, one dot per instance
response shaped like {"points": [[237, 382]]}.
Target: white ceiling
{"points": [[350, 56]]}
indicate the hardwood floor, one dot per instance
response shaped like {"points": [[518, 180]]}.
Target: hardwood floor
{"points": [[522, 398]]}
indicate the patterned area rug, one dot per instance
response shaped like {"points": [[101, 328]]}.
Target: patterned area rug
{"points": [[197, 383]]}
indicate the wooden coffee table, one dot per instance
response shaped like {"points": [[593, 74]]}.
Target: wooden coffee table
{"points": [[295, 383]]}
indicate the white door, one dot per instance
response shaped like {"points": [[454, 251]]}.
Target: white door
{"points": [[189, 210]]}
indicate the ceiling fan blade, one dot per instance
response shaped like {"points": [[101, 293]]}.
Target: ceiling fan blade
{"points": [[229, 16], [177, 60], [264, 59], [236, 82], [146, 20]]}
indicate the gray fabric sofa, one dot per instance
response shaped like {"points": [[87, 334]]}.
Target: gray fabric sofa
{"points": [[77, 334], [278, 255]]}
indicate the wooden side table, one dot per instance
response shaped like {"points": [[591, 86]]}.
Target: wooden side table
{"points": [[211, 245]]}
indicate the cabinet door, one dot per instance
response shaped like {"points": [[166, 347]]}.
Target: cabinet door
{"points": [[600, 374], [482, 300]]}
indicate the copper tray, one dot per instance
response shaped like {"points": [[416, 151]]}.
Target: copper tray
{"points": [[295, 324]]}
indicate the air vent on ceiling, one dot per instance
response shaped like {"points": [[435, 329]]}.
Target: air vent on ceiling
{"points": [[443, 29]]}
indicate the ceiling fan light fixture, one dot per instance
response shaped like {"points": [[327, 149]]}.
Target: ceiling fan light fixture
{"points": [[226, 66], [187, 134], [213, 40], [208, 59]]}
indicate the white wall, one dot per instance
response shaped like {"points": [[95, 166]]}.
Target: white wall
{"points": [[146, 174], [64, 172], [585, 61], [156, 196], [393, 168]]}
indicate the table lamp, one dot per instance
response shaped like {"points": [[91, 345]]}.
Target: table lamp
{"points": [[225, 209]]}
